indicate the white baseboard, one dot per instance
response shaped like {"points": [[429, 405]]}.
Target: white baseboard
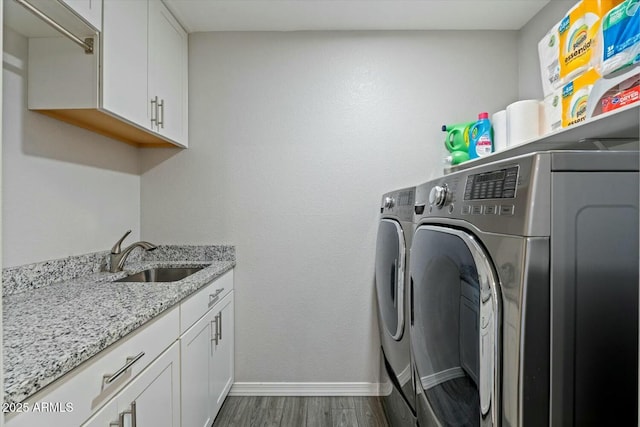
{"points": [[306, 389]]}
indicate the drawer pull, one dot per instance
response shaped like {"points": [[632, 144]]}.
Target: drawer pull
{"points": [[108, 379], [213, 298]]}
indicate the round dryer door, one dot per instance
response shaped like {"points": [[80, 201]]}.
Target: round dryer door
{"points": [[454, 328], [390, 261]]}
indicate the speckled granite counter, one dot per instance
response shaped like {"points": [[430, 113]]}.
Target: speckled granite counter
{"points": [[50, 328]]}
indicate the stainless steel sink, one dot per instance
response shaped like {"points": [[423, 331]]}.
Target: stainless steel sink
{"points": [[161, 274]]}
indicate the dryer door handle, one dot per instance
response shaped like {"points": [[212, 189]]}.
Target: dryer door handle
{"points": [[394, 282], [411, 300]]}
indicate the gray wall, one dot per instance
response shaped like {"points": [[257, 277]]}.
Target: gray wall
{"points": [[293, 139], [529, 80], [65, 190]]}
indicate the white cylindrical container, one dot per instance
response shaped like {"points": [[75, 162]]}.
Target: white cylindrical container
{"points": [[500, 136], [523, 121]]}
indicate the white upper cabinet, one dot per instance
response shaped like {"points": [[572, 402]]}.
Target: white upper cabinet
{"points": [[133, 88], [167, 73], [89, 10], [124, 60]]}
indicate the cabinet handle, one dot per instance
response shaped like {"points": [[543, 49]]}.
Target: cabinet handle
{"points": [[109, 378], [161, 116], [214, 331], [154, 109], [220, 326], [132, 413]]}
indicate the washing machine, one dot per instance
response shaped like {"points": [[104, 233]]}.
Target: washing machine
{"points": [[391, 275], [524, 292]]}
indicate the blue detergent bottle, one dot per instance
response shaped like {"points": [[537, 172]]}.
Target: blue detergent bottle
{"points": [[480, 138]]}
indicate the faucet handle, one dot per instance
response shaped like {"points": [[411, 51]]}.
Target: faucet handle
{"points": [[116, 249]]}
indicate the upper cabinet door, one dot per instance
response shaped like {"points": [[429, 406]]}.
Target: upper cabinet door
{"points": [[124, 60], [168, 50], [89, 10]]}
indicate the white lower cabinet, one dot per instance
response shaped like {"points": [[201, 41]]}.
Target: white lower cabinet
{"points": [[207, 363], [85, 389], [152, 399], [222, 356], [196, 347], [175, 371]]}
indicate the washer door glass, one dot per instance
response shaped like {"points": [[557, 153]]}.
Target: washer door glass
{"points": [[454, 326], [390, 259]]}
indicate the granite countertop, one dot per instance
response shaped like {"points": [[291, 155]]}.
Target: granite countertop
{"points": [[50, 329]]}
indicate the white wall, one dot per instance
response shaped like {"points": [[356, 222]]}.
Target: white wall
{"points": [[66, 191], [294, 138], [530, 82], [1, 317]]}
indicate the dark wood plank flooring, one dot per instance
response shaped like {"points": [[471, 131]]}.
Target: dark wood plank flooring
{"points": [[277, 411]]}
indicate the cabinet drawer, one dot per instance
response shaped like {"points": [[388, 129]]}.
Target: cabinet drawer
{"points": [[194, 307], [156, 393], [83, 390]]}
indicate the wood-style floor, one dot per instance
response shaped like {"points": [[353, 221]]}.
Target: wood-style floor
{"points": [[267, 411]]}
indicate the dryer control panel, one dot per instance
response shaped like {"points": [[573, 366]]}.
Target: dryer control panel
{"points": [[497, 184], [495, 197]]}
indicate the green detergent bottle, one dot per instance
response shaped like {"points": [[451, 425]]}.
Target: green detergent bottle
{"points": [[456, 157], [457, 136]]}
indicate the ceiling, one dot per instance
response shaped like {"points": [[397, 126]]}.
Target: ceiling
{"points": [[318, 15]]}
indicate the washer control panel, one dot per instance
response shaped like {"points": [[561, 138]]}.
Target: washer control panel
{"points": [[497, 184], [399, 203]]}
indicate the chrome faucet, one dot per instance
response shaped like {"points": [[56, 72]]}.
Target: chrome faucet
{"points": [[118, 256]]}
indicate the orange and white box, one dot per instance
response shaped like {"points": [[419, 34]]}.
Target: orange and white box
{"points": [[579, 35], [575, 96]]}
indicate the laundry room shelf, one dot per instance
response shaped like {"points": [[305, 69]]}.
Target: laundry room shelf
{"points": [[607, 131]]}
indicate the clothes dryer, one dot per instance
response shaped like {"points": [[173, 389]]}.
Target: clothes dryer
{"points": [[391, 274], [524, 293]]}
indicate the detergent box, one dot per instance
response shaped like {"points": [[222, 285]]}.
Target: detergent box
{"points": [[627, 92], [578, 34], [575, 96]]}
